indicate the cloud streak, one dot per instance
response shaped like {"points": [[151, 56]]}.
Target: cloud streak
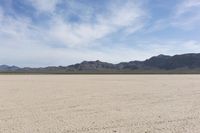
{"points": [[120, 17], [187, 14], [44, 5], [125, 17]]}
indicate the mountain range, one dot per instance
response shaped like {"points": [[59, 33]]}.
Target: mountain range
{"points": [[185, 63]]}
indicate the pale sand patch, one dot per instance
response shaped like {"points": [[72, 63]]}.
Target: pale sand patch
{"points": [[99, 103]]}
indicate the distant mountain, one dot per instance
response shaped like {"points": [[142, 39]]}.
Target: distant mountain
{"points": [[185, 63], [91, 66], [8, 68]]}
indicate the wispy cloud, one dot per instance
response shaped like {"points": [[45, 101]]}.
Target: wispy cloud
{"points": [[125, 17], [187, 14], [187, 6], [44, 5]]}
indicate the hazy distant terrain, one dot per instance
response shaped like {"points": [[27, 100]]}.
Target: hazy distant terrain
{"points": [[186, 63], [99, 104]]}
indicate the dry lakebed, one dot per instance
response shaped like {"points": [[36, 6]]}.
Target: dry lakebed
{"points": [[99, 103]]}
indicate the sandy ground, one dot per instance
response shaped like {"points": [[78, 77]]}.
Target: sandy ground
{"points": [[100, 104]]}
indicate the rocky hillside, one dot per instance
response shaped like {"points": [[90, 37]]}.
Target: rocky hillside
{"points": [[184, 62]]}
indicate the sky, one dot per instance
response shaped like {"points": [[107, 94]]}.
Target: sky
{"points": [[61, 32]]}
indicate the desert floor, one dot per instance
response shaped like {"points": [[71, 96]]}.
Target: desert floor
{"points": [[100, 104]]}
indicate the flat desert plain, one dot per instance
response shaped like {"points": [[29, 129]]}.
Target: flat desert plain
{"points": [[100, 104]]}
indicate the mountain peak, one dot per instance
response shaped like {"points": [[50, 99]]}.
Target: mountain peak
{"points": [[161, 56]]}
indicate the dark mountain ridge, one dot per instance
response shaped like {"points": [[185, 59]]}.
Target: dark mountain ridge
{"points": [[185, 63], [8, 68]]}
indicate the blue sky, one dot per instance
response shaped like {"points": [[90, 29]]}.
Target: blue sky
{"points": [[62, 32]]}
